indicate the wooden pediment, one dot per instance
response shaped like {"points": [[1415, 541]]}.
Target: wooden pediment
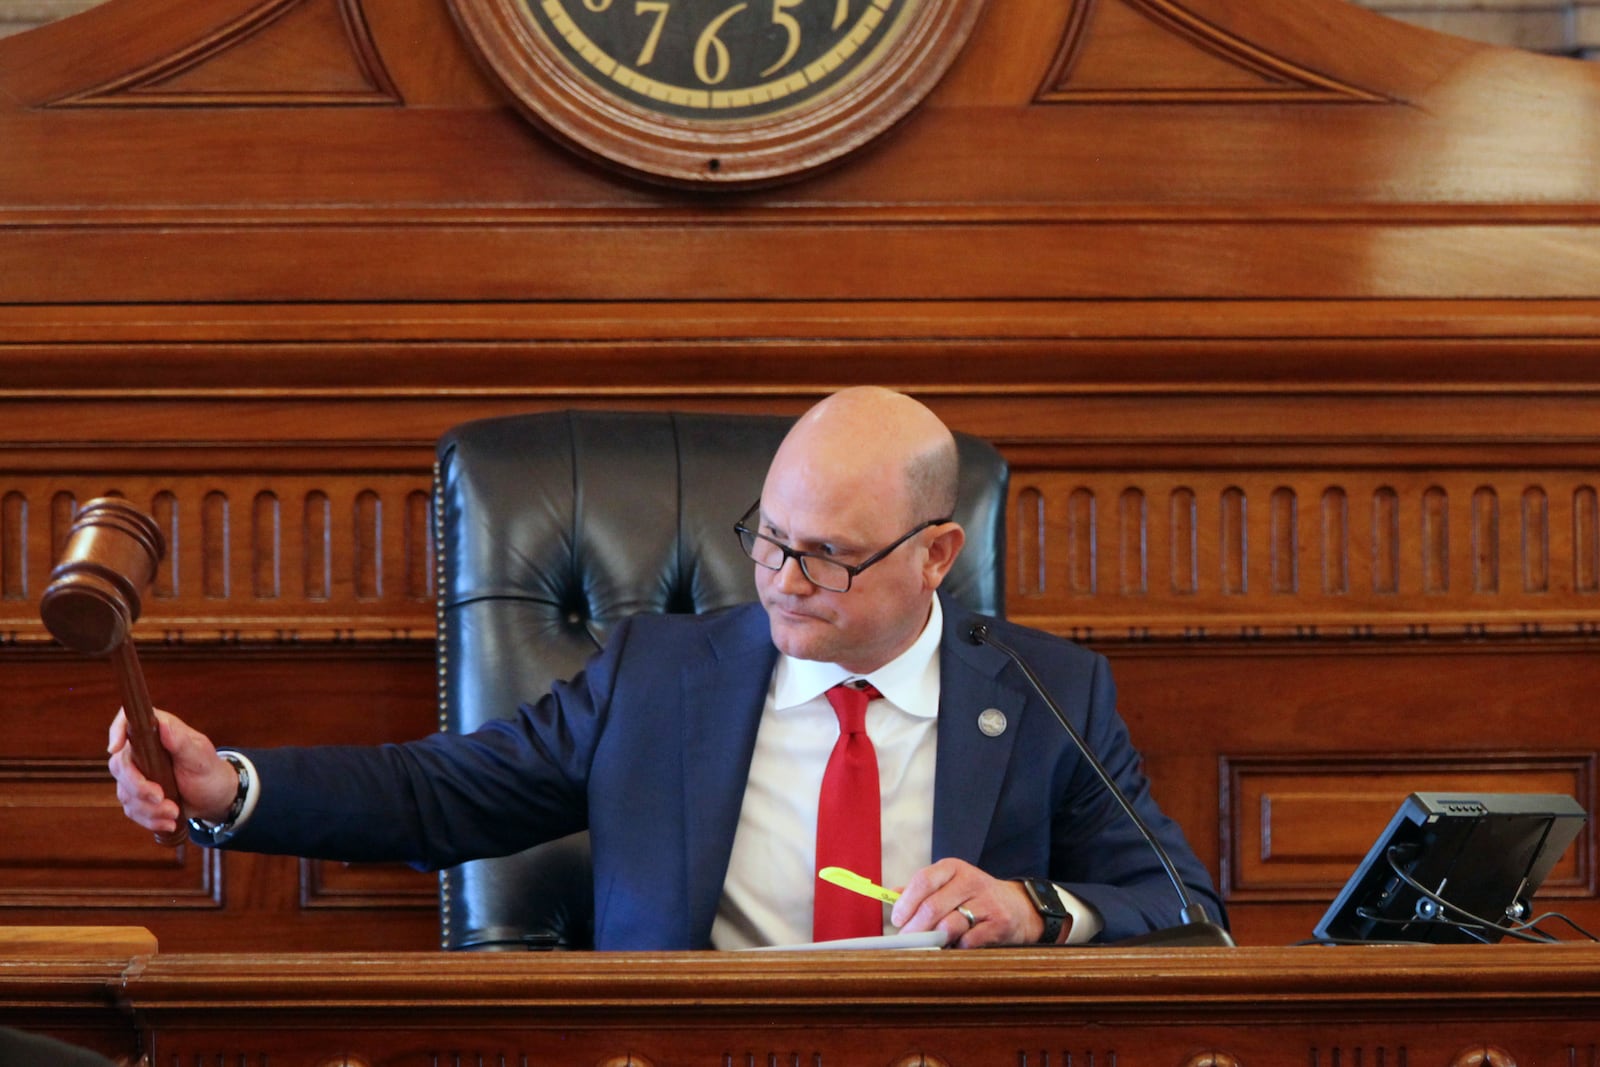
{"points": [[1143, 148], [241, 63], [1161, 51]]}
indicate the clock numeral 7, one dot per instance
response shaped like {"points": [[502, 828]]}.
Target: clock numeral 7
{"points": [[659, 9]]}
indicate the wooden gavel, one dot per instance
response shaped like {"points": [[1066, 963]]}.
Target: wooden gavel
{"points": [[90, 606]]}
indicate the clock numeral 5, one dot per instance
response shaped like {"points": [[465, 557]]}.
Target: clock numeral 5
{"points": [[791, 28]]}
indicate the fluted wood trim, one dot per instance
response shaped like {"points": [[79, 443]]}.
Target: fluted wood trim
{"points": [[1124, 554]]}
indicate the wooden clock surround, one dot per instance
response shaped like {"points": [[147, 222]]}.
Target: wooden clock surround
{"points": [[1287, 317], [562, 96]]}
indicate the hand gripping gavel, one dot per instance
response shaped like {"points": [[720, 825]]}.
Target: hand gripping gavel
{"points": [[90, 606]]}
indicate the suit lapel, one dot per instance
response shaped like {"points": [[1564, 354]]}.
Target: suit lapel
{"points": [[722, 696], [972, 764]]}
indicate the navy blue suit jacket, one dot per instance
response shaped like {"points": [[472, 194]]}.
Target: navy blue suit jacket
{"points": [[649, 748]]}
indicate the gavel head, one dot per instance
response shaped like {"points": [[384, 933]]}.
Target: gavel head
{"points": [[95, 591]]}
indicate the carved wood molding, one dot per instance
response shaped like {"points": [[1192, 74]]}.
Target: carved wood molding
{"points": [[1131, 555], [327, 884], [1268, 76], [249, 559], [1125, 554], [1203, 1007], [76, 800], [216, 71], [738, 354], [880, 260]]}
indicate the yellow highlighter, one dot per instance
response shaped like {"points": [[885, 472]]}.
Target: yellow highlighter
{"points": [[856, 884]]}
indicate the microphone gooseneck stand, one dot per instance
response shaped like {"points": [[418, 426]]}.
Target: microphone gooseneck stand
{"points": [[1197, 929]]}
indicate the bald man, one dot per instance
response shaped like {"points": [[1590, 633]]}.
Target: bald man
{"points": [[698, 749]]}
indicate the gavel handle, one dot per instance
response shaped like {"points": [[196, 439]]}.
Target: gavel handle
{"points": [[144, 735]]}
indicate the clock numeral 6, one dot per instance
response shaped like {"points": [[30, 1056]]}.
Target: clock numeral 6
{"points": [[710, 48]]}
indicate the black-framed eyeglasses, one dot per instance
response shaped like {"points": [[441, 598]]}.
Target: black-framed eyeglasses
{"points": [[820, 571]]}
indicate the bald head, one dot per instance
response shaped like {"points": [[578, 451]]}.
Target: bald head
{"points": [[861, 479], [880, 442]]}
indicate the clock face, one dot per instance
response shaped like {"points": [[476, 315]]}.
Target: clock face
{"points": [[720, 59], [717, 92]]}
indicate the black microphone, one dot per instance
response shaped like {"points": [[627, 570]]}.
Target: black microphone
{"points": [[1197, 927]]}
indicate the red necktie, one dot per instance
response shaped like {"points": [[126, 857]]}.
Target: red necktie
{"points": [[848, 817]]}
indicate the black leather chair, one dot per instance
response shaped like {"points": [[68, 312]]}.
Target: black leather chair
{"points": [[19, 1049], [551, 528]]}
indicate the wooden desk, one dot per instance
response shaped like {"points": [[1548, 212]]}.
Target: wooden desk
{"points": [[1370, 1006], [62, 981]]}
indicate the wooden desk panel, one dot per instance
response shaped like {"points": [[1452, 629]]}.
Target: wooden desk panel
{"points": [[1287, 317], [61, 981], [1433, 1005]]}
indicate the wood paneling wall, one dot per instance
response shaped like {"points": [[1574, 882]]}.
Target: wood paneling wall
{"points": [[1287, 317]]}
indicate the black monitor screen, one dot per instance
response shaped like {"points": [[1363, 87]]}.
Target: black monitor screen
{"points": [[1454, 867]]}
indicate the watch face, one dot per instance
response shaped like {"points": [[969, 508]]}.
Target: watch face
{"points": [[717, 59], [717, 92], [1043, 896]]}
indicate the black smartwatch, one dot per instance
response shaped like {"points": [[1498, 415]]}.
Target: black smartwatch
{"points": [[1047, 902]]}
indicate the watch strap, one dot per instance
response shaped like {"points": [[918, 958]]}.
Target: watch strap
{"points": [[236, 808], [1047, 902]]}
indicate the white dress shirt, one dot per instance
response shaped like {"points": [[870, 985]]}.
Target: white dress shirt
{"points": [[767, 896]]}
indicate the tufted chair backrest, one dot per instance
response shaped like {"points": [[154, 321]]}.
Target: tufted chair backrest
{"points": [[552, 528]]}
